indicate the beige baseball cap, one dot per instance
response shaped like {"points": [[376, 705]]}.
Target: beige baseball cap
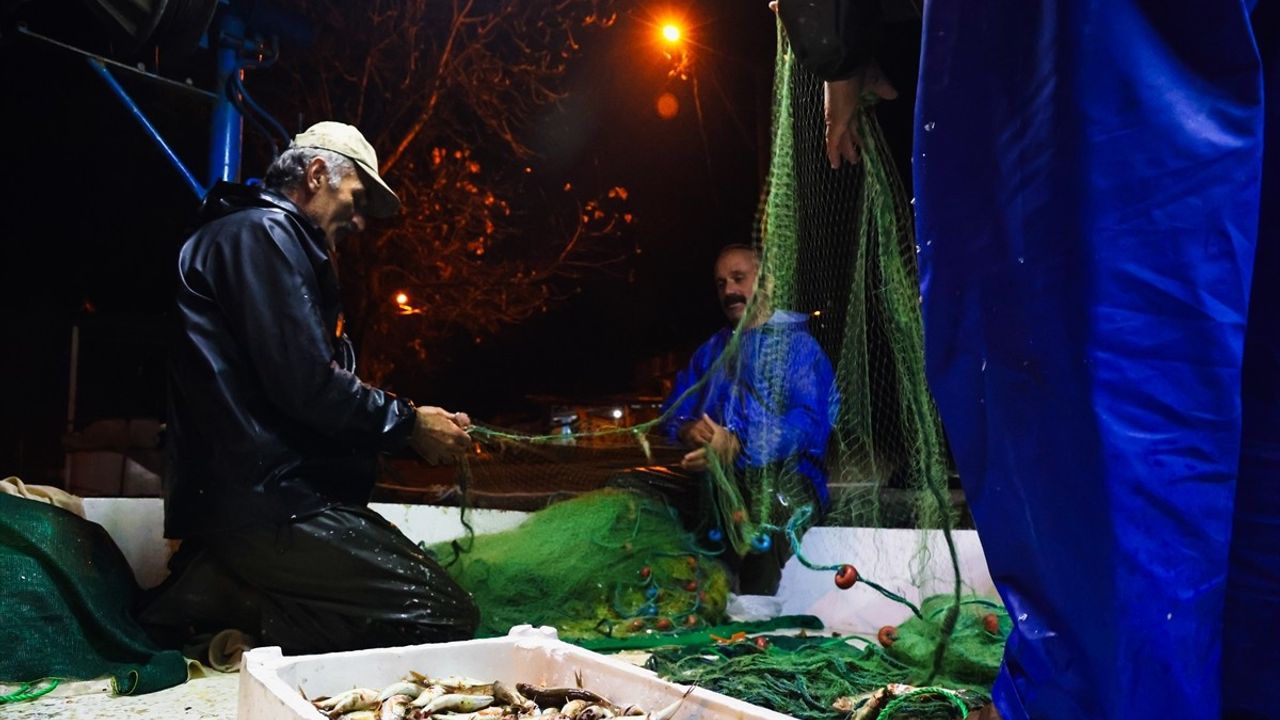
{"points": [[346, 140]]}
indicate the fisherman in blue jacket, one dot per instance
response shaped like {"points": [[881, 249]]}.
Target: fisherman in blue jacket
{"points": [[766, 409]]}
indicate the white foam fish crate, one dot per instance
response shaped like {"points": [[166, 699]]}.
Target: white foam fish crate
{"points": [[270, 683]]}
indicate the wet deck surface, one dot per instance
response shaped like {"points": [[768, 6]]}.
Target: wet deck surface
{"points": [[212, 696]]}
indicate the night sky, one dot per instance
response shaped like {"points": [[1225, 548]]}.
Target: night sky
{"points": [[95, 216]]}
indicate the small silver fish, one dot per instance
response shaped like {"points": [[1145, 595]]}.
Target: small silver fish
{"points": [[455, 683], [489, 713], [508, 695], [349, 701], [869, 704], [394, 707], [458, 702], [596, 712], [413, 690], [429, 693]]}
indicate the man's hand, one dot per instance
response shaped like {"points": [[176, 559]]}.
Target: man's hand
{"points": [[439, 436], [697, 433], [841, 99], [708, 435]]}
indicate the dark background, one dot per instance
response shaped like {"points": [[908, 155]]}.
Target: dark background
{"points": [[95, 215]]}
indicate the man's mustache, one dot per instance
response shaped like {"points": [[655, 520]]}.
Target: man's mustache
{"points": [[733, 298]]}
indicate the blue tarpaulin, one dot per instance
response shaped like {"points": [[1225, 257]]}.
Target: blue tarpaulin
{"points": [[1251, 634], [1089, 181]]}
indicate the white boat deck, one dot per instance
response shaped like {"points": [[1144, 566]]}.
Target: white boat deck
{"points": [[913, 563]]}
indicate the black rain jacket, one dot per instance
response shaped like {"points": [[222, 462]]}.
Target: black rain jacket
{"points": [[267, 420]]}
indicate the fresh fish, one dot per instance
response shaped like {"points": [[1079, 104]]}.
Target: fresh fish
{"points": [[573, 708], [454, 683], [457, 701], [489, 713], [429, 693], [597, 712], [547, 697], [403, 687], [508, 695], [869, 704], [394, 707], [349, 701], [359, 715]]}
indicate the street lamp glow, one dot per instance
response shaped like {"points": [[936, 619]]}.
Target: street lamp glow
{"points": [[667, 105], [402, 299], [671, 33]]}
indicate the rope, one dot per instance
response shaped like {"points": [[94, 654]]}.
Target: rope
{"points": [[798, 519], [704, 636], [954, 698], [26, 692], [479, 431]]}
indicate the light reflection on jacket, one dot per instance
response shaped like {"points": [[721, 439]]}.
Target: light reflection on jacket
{"points": [[776, 394]]}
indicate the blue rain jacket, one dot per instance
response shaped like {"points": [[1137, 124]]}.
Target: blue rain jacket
{"points": [[777, 395]]}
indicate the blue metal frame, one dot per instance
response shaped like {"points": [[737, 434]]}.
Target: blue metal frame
{"points": [[229, 38], [134, 110], [226, 137]]}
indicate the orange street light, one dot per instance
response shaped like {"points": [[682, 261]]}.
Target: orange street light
{"points": [[402, 299], [671, 38]]}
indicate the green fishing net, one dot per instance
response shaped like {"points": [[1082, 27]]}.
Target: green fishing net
{"points": [[606, 563], [838, 248], [804, 676]]}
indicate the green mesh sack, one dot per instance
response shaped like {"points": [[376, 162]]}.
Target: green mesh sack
{"points": [[66, 601], [974, 650]]}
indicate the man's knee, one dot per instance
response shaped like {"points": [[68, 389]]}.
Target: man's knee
{"points": [[437, 611], [201, 595]]}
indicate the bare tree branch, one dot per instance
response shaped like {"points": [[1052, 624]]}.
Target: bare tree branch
{"points": [[442, 72], [451, 86]]}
